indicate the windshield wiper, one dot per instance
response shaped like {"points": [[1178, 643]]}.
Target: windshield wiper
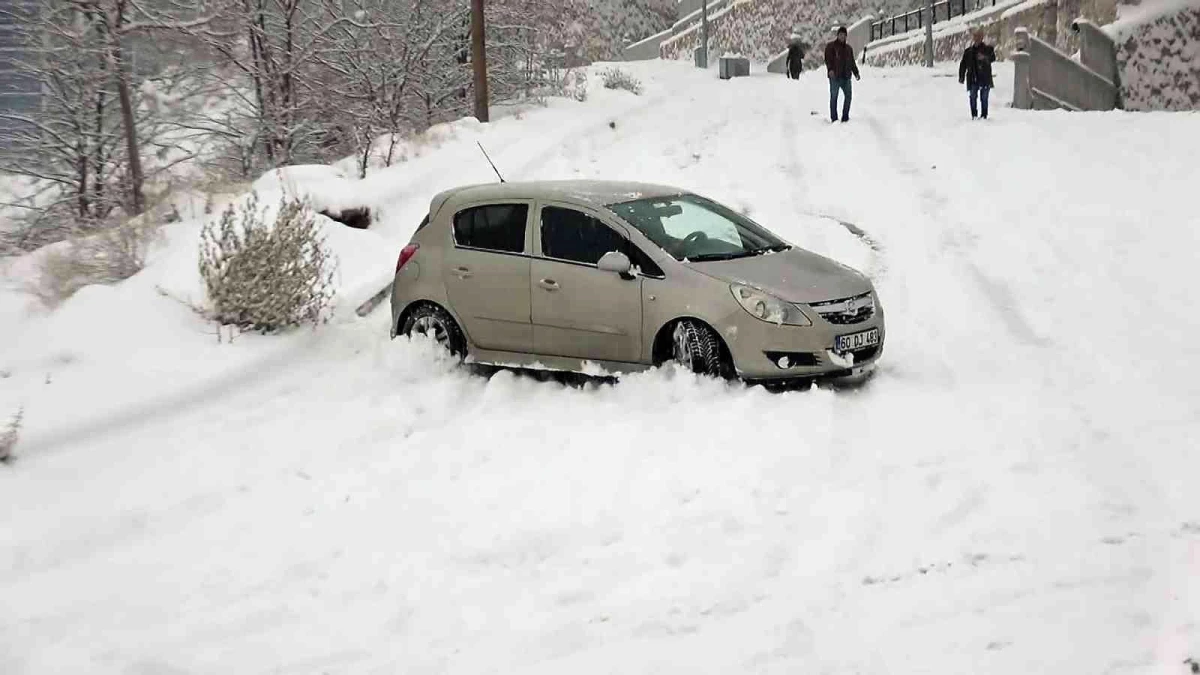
{"points": [[702, 257]]}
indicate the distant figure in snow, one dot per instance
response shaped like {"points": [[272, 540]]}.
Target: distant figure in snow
{"points": [[795, 56], [839, 60], [976, 70]]}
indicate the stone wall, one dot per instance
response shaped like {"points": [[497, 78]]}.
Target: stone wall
{"points": [[1159, 61], [759, 29]]}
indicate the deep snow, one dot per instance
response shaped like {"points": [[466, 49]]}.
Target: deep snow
{"points": [[1013, 492]]}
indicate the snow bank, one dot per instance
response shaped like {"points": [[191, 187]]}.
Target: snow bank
{"points": [[1130, 18]]}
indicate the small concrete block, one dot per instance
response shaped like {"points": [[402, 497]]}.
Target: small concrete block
{"points": [[734, 66]]}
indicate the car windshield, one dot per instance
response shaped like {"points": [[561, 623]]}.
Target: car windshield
{"points": [[690, 227]]}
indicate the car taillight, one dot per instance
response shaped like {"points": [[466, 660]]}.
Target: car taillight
{"points": [[406, 254]]}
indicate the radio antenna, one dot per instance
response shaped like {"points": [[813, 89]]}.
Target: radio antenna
{"points": [[489, 159]]}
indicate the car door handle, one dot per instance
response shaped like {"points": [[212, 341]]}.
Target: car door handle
{"points": [[462, 272], [549, 284]]}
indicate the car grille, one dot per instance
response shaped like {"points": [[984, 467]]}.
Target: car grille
{"points": [[846, 311]]}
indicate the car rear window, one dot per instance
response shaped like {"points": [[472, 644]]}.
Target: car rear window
{"points": [[495, 227]]}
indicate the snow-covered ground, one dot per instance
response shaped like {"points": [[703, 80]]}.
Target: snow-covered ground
{"points": [[1015, 491]]}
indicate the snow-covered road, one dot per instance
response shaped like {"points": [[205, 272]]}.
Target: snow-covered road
{"points": [[1014, 492]]}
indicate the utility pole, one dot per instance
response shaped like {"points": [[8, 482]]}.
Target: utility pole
{"points": [[479, 61], [929, 34], [704, 34]]}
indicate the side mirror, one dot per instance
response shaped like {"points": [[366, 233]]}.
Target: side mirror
{"points": [[615, 261]]}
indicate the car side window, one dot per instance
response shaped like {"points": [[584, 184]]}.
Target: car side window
{"points": [[571, 235], [495, 227], [641, 261]]}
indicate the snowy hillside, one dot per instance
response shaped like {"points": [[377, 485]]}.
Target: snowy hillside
{"points": [[1014, 492], [632, 20]]}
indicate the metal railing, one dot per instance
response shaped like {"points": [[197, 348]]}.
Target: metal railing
{"points": [[915, 19]]}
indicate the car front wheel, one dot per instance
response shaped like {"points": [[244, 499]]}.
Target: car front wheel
{"points": [[696, 347]]}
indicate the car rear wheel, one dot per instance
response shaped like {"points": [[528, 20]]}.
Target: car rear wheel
{"points": [[434, 322], [696, 347]]}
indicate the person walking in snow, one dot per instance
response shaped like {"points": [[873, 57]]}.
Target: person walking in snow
{"points": [[975, 70], [839, 61], [795, 58]]}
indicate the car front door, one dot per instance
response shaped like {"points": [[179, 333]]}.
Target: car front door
{"points": [[579, 310], [487, 274]]}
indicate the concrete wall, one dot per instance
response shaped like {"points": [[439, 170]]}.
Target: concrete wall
{"points": [[647, 49], [651, 47]]}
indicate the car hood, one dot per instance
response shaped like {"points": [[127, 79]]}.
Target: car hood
{"points": [[794, 275]]}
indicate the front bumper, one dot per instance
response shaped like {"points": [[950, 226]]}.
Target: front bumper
{"points": [[765, 351]]}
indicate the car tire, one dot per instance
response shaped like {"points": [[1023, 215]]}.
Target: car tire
{"points": [[435, 322], [697, 348]]}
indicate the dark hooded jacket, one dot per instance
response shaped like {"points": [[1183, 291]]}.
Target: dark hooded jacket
{"points": [[839, 58], [976, 66]]}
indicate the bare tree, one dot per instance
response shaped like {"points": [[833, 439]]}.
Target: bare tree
{"points": [[371, 68], [70, 146], [250, 85]]}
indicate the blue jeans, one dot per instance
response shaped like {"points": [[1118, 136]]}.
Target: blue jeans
{"points": [[982, 94], [842, 83]]}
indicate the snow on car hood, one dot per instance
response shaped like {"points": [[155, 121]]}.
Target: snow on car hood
{"points": [[795, 275]]}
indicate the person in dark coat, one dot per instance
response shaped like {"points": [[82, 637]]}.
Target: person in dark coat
{"points": [[795, 62], [975, 70], [839, 60]]}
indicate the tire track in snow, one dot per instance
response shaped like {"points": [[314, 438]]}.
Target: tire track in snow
{"points": [[997, 294], [793, 168]]}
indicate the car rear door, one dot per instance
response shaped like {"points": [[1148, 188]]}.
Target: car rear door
{"points": [[579, 310], [487, 273]]}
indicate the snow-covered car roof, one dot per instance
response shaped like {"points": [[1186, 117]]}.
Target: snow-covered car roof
{"points": [[596, 193]]}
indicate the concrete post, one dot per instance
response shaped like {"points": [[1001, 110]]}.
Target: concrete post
{"points": [[1096, 49], [1021, 38], [1022, 91], [929, 34]]}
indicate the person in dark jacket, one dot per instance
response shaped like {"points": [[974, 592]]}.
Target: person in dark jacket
{"points": [[975, 70], [839, 60], [795, 56]]}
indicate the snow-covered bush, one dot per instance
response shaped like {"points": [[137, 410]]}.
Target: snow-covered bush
{"points": [[615, 78], [266, 276], [105, 257], [569, 83], [8, 438]]}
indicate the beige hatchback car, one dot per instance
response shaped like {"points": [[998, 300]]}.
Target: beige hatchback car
{"points": [[587, 276]]}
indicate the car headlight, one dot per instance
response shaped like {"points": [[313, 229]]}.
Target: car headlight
{"points": [[766, 307]]}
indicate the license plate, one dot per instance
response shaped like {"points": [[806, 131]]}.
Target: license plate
{"points": [[853, 341]]}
